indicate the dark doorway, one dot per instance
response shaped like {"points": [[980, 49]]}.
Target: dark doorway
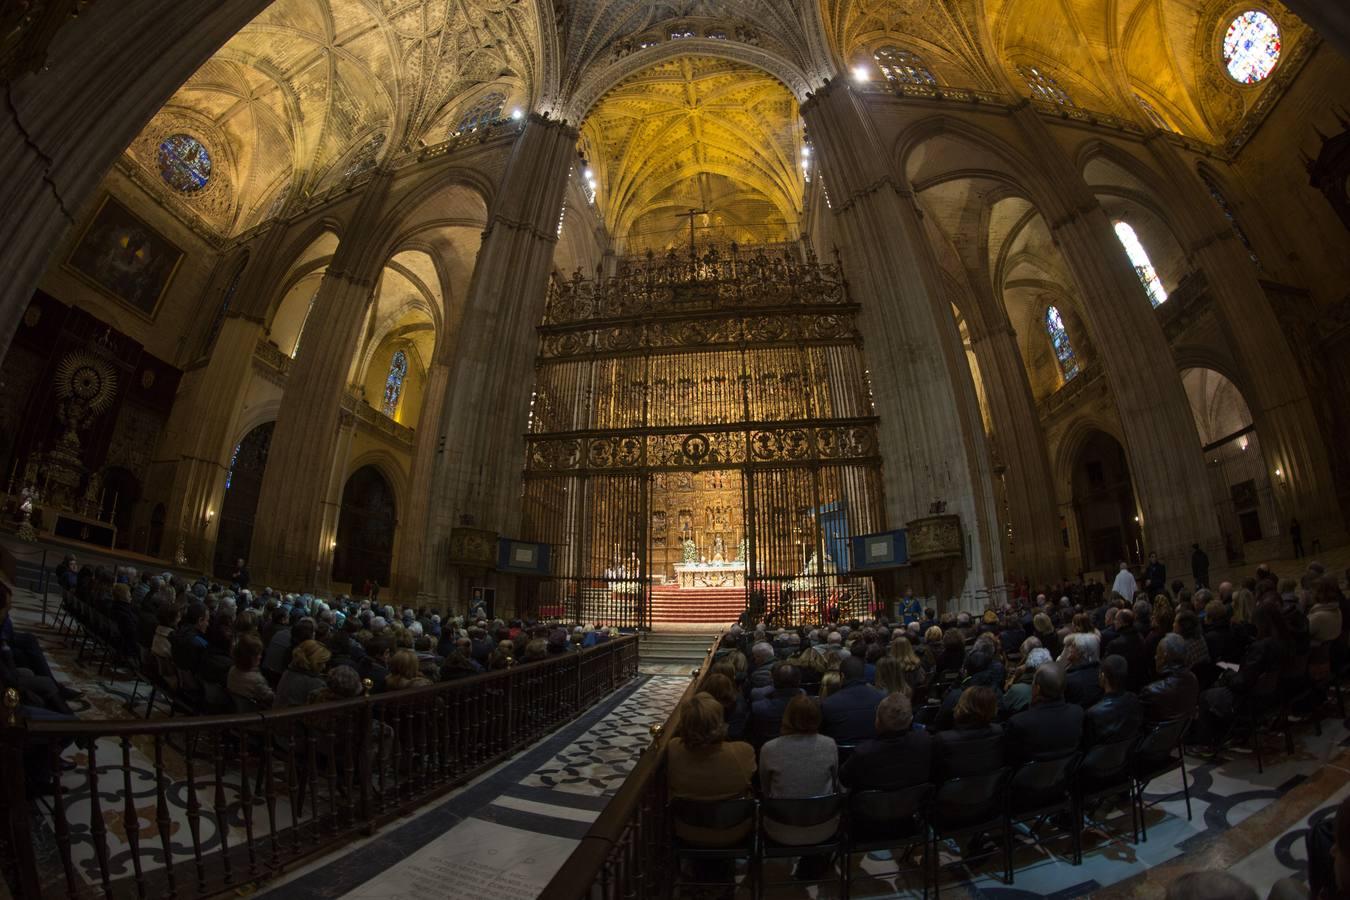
{"points": [[1103, 499], [365, 534], [243, 486], [156, 539]]}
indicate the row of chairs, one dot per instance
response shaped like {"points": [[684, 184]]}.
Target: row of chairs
{"points": [[1062, 791]]}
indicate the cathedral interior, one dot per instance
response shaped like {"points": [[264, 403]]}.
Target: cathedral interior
{"points": [[631, 313]]}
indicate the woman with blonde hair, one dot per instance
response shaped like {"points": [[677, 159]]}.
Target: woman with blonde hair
{"points": [[703, 765], [890, 677], [735, 711], [404, 672], [304, 675], [830, 682], [916, 676]]}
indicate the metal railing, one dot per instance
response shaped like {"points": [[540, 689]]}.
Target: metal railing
{"points": [[627, 851], [202, 806]]}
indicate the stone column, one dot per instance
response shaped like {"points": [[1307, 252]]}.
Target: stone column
{"points": [[290, 534], [197, 442], [409, 564], [1038, 551], [1273, 387], [480, 441], [1161, 442], [932, 439]]}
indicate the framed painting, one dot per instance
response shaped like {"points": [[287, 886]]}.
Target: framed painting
{"points": [[125, 258]]}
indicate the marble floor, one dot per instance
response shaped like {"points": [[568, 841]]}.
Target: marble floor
{"points": [[508, 833]]}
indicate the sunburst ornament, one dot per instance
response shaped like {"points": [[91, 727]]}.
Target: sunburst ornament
{"points": [[86, 379]]}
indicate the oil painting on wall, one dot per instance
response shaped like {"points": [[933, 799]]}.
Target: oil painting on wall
{"points": [[125, 258]]}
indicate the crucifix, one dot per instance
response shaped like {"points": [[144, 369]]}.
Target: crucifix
{"points": [[690, 216]]}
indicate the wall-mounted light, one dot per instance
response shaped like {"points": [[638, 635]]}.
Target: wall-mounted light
{"points": [[1279, 474], [332, 545], [210, 514]]}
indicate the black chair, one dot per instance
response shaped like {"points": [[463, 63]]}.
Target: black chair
{"points": [[1104, 774], [803, 813], [719, 815], [966, 807], [887, 820], [1036, 791], [1255, 713], [1154, 756]]}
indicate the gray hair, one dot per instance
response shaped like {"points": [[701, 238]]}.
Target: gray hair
{"points": [[1173, 647], [1202, 596], [1089, 647], [1038, 657], [761, 652], [1142, 608]]}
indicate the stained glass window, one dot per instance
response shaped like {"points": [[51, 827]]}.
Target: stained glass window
{"points": [[903, 66], [1153, 115], [184, 163], [1059, 339], [484, 111], [234, 458], [393, 385], [1143, 267], [1251, 48], [1044, 86], [1220, 199], [365, 158]]}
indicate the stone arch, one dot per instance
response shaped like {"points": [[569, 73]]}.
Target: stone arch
{"points": [[1104, 502]]}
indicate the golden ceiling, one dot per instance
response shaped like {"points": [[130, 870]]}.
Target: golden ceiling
{"points": [[696, 133], [313, 92]]}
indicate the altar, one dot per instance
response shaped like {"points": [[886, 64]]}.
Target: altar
{"points": [[710, 575]]}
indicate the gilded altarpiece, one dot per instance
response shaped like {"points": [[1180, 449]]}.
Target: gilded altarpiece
{"points": [[701, 421]]}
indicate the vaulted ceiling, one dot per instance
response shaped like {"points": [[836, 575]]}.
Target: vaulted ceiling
{"points": [[312, 92], [696, 133]]}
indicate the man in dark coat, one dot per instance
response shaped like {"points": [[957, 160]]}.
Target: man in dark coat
{"points": [[1176, 690], [766, 714], [1129, 644], [1199, 567], [1116, 717], [899, 756], [1050, 728], [1082, 655], [849, 713], [1155, 576]]}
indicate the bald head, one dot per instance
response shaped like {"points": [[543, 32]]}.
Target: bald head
{"points": [[1048, 683]]}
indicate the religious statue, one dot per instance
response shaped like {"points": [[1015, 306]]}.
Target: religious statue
{"points": [[26, 530], [719, 550]]}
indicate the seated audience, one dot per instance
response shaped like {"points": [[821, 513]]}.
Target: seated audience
{"points": [[304, 675], [974, 745], [1018, 695], [1129, 645], [735, 711], [1255, 681], [1176, 689], [405, 672], [850, 711], [1082, 669], [244, 678], [1049, 728], [899, 756], [800, 763], [702, 764], [766, 713], [1117, 715]]}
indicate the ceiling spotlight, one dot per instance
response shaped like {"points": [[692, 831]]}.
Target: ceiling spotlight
{"points": [[517, 114], [860, 73], [588, 174]]}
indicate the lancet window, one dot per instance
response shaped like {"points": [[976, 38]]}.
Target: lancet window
{"points": [[1059, 340], [1227, 208], [1044, 86], [903, 66], [393, 384], [484, 112], [1143, 266]]}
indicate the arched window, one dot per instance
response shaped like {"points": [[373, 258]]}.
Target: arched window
{"points": [[393, 385], [234, 459], [1227, 208], [1059, 339], [484, 111], [365, 158], [1044, 86], [1153, 115], [903, 66], [1143, 267]]}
